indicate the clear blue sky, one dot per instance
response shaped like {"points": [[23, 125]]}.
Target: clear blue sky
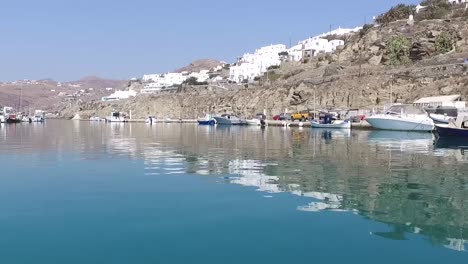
{"points": [[66, 40]]}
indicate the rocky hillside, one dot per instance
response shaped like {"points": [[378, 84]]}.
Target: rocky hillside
{"points": [[393, 63], [198, 65]]}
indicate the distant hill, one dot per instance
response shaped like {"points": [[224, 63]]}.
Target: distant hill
{"points": [[48, 94], [198, 65], [97, 82]]}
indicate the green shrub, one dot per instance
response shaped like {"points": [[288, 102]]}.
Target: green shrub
{"points": [[444, 43], [396, 13], [398, 49]]}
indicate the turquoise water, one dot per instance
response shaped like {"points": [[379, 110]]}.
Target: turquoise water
{"points": [[78, 192]]}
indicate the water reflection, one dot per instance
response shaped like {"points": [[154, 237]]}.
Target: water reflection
{"points": [[401, 179]]}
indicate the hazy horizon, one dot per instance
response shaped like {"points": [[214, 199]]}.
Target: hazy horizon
{"points": [[66, 40]]}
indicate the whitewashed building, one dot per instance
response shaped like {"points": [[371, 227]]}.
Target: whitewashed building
{"points": [[254, 65], [454, 2], [119, 95]]}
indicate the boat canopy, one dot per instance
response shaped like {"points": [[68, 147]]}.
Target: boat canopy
{"points": [[405, 109]]}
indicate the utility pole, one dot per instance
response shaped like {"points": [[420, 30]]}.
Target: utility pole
{"points": [[20, 98], [391, 90]]}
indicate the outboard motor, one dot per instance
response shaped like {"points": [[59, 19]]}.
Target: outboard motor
{"points": [[327, 119]]}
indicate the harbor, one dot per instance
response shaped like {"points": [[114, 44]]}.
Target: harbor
{"points": [[248, 132]]}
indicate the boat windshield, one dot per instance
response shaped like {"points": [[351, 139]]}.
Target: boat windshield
{"points": [[405, 109]]}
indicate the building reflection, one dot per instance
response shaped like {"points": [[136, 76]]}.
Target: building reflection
{"points": [[397, 178]]}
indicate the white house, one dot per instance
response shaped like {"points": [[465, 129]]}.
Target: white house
{"points": [[253, 65], [119, 95], [453, 2]]}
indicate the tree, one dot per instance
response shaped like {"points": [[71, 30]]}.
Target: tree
{"points": [[398, 49], [444, 43], [396, 13]]}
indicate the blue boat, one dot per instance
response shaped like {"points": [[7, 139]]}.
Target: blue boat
{"points": [[208, 120], [455, 128]]}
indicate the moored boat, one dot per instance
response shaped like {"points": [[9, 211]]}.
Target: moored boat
{"points": [[402, 118], [208, 120], [258, 120], [116, 117], [95, 118], [229, 120], [10, 115], [335, 125], [456, 128]]}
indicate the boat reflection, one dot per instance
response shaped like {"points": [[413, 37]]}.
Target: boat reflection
{"points": [[449, 147], [402, 141], [397, 178]]}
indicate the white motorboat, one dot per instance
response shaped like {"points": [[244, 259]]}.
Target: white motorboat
{"points": [[259, 120], [402, 118], [338, 124], [253, 122], [95, 118], [116, 117]]}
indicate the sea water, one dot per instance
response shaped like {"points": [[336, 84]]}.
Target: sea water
{"points": [[81, 192]]}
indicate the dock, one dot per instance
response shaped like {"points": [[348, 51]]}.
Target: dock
{"points": [[363, 125]]}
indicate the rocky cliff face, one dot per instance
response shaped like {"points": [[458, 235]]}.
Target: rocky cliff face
{"points": [[359, 75]]}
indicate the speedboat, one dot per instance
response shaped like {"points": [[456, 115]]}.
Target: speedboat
{"points": [[208, 120], [338, 124], [456, 128], [402, 118], [442, 115], [259, 120]]}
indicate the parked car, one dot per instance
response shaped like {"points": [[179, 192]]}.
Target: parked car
{"points": [[301, 116], [282, 117]]}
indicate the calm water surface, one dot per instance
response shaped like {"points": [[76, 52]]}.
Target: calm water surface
{"points": [[78, 192]]}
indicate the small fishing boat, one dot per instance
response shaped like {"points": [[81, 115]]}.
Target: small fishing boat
{"points": [[456, 128], [346, 124], [10, 115], [229, 120], [402, 118], [208, 120]]}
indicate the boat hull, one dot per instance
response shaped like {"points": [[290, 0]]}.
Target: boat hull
{"points": [[450, 132], [221, 121], [211, 122], [344, 125], [253, 122], [12, 121], [401, 124]]}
